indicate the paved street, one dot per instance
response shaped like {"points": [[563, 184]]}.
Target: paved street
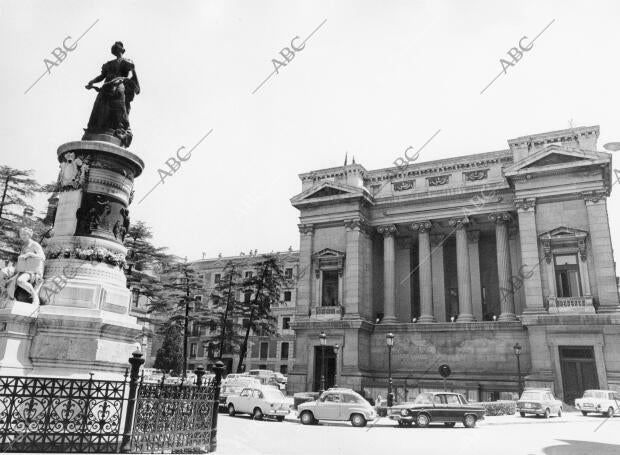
{"points": [[570, 435]]}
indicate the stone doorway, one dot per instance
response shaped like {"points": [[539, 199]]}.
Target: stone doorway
{"points": [[578, 371], [330, 367]]}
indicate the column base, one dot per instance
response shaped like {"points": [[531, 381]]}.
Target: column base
{"points": [[465, 318], [426, 318], [389, 319], [608, 309], [507, 317], [534, 311]]}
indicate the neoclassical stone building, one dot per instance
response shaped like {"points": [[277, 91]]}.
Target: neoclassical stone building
{"points": [[460, 259]]}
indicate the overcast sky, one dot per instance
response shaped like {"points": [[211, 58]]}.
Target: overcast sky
{"points": [[375, 78]]}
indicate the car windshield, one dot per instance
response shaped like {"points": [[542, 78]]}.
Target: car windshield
{"points": [[353, 398], [531, 396], [595, 394], [424, 398], [273, 394]]}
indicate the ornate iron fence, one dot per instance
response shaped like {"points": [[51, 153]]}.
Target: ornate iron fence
{"points": [[60, 415], [86, 415]]}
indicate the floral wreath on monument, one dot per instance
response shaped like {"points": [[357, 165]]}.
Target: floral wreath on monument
{"points": [[98, 254]]}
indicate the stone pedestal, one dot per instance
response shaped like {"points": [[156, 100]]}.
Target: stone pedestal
{"points": [[16, 330], [83, 324]]}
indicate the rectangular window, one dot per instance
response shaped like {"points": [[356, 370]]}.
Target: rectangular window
{"points": [[330, 288], [567, 278], [288, 273], [284, 369], [217, 277], [192, 350], [286, 323], [287, 296], [264, 349], [248, 275], [247, 296], [245, 323], [284, 351]]}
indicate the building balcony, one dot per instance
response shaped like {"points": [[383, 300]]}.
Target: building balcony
{"points": [[328, 312], [571, 305]]}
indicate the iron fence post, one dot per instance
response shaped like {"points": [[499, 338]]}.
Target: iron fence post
{"points": [[136, 362], [219, 370]]}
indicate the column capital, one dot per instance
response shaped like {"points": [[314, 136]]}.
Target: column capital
{"points": [[500, 217], [459, 222], [523, 204], [306, 228], [594, 196], [387, 230], [421, 226], [357, 224]]}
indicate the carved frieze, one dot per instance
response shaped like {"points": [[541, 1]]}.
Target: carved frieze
{"points": [[438, 180], [524, 204], [459, 222], [73, 171], [421, 226], [387, 230], [102, 216], [473, 176], [404, 185]]}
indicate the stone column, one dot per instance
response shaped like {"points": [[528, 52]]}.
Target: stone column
{"points": [[389, 272], [304, 272], [474, 269], [602, 251], [504, 269], [529, 273], [462, 263], [425, 264], [355, 301], [439, 298]]}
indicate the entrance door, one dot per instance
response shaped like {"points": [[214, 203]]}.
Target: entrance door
{"points": [[330, 367], [578, 371]]}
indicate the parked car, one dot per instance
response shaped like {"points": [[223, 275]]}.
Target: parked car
{"points": [[337, 404], [234, 386], [606, 402], [259, 402], [437, 407], [281, 379], [266, 377], [540, 402]]}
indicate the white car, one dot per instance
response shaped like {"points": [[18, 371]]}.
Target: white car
{"points": [[337, 404], [259, 401], [606, 402]]}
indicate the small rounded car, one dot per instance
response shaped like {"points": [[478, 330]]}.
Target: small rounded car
{"points": [[437, 407], [540, 402], [606, 402], [259, 401], [337, 404]]}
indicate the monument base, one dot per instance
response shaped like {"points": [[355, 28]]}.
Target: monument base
{"points": [[16, 331]]}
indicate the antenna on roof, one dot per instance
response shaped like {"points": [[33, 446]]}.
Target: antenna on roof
{"points": [[353, 159], [346, 158]]}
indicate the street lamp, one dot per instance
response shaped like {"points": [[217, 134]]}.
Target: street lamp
{"points": [[336, 349], [323, 339], [517, 349], [389, 338]]}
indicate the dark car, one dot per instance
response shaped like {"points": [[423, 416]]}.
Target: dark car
{"points": [[437, 407]]}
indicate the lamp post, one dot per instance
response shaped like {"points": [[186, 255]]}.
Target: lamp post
{"points": [[389, 338], [336, 349], [323, 340], [517, 349]]}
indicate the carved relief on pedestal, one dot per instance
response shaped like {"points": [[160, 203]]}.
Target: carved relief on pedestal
{"points": [[102, 216], [73, 171]]}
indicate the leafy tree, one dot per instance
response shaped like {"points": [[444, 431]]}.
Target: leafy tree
{"points": [[266, 285], [170, 355], [17, 186]]}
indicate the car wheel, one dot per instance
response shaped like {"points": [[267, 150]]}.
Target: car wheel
{"points": [[307, 418], [469, 421], [423, 420], [522, 414], [358, 420], [280, 418], [257, 414], [449, 424], [585, 413], [547, 413], [610, 412], [231, 410], [560, 412], [401, 423]]}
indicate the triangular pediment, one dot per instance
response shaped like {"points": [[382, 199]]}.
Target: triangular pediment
{"points": [[328, 253], [563, 232], [327, 192], [556, 157]]}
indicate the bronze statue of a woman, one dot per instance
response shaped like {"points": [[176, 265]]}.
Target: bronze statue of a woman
{"points": [[109, 120]]}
